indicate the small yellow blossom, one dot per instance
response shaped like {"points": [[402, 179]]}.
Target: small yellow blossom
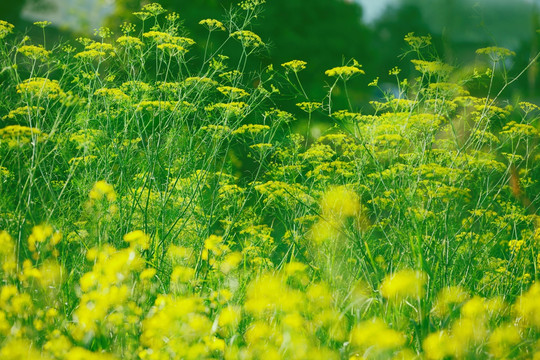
{"points": [[247, 38], [212, 24], [294, 65], [34, 52], [344, 72], [403, 284], [102, 190], [5, 29]]}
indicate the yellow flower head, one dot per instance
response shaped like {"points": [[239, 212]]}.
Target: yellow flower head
{"points": [[212, 24], [102, 190], [5, 29], [344, 72], [403, 284], [294, 65], [248, 38], [34, 52]]}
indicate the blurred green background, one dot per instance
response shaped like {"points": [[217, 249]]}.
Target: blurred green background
{"points": [[328, 33]]}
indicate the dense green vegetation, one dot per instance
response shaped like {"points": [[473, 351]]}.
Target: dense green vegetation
{"points": [[157, 202]]}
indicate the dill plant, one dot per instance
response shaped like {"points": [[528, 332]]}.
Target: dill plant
{"points": [[165, 208]]}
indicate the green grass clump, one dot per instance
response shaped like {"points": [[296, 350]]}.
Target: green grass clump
{"points": [[156, 204]]}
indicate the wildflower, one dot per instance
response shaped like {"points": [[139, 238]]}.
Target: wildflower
{"points": [[496, 53], [251, 4], [5, 29], [172, 49], [294, 65], [247, 38], [309, 107], [158, 36], [16, 135], [40, 234], [7, 252], [40, 87], [103, 32], [417, 42], [154, 9], [182, 274], [155, 105], [375, 82], [375, 333], [25, 111], [34, 52], [212, 24], [438, 346], [231, 76], [229, 316], [502, 339], [447, 298], [432, 67], [230, 262], [527, 306], [129, 41], [142, 15], [344, 72], [90, 55], [251, 129], [232, 108], [395, 71], [213, 243], [340, 202], [113, 94], [138, 239], [527, 107], [196, 81], [403, 284], [232, 92], [102, 190], [516, 130], [279, 115]]}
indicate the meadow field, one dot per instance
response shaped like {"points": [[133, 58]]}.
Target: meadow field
{"points": [[158, 202]]}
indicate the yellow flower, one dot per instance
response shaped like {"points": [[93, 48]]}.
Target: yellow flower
{"points": [[172, 49], [212, 24], [502, 339], [339, 202], [294, 65], [232, 92], [309, 107], [101, 190], [40, 87], [247, 38], [34, 52], [375, 333], [137, 238], [5, 29], [496, 53], [127, 41], [230, 316], [432, 67], [527, 306], [344, 72], [438, 346], [403, 284]]}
